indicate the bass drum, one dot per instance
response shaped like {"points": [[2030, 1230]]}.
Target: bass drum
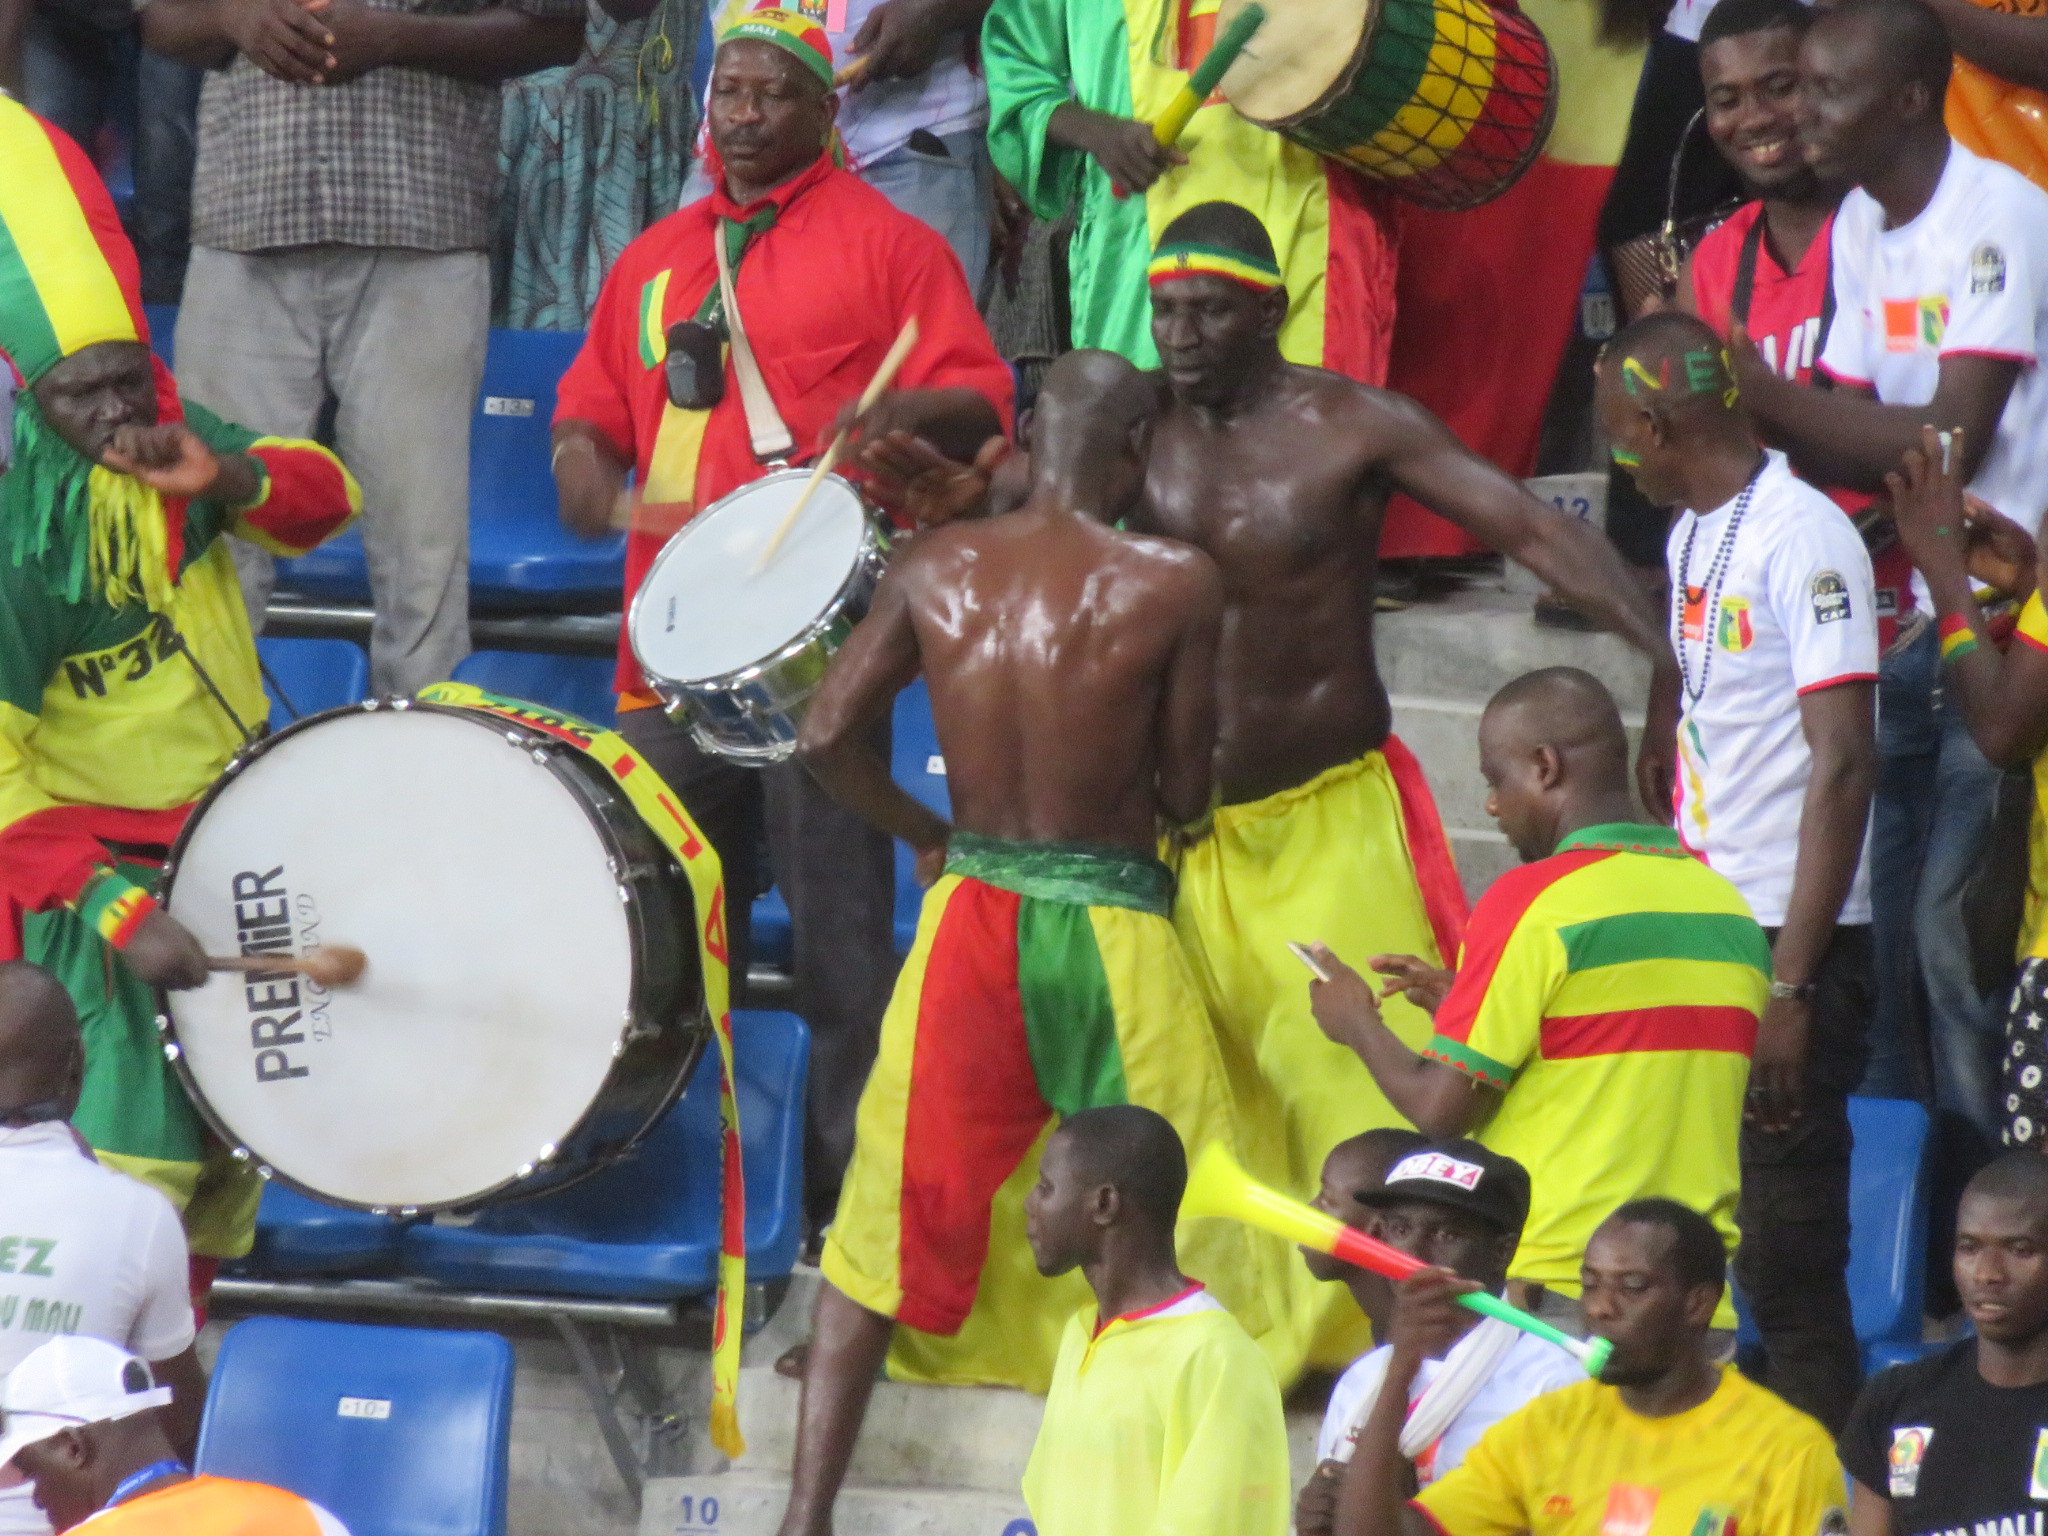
{"points": [[533, 1001]]}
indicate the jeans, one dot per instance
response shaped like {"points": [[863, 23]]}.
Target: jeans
{"points": [[1930, 817], [84, 77], [1793, 1261], [397, 338], [838, 875], [954, 193]]}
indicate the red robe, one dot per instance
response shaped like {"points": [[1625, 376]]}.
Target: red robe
{"points": [[823, 293]]}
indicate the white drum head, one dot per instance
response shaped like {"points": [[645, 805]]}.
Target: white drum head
{"points": [[704, 610], [500, 962]]}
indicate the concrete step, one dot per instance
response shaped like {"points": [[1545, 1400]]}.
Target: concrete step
{"points": [[751, 1504], [1443, 660]]}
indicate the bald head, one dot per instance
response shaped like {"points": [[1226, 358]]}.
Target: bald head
{"points": [[1555, 756], [1900, 41], [41, 1050], [1090, 431], [1566, 709]]}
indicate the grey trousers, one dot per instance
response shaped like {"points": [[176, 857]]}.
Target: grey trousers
{"points": [[397, 339], [838, 876]]}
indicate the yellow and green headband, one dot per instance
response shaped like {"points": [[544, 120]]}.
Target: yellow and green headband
{"points": [[1191, 259], [792, 33]]}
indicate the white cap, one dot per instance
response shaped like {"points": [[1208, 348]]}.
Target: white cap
{"points": [[68, 1382]]}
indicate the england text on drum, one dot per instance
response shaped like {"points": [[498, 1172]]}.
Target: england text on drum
{"points": [[308, 911], [263, 922]]}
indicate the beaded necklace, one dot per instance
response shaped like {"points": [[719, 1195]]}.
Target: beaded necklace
{"points": [[1706, 600]]}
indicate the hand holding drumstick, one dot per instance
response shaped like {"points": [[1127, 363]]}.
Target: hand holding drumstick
{"points": [[899, 351]]}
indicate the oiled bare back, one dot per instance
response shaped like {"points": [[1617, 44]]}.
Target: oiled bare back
{"points": [[1060, 654]]}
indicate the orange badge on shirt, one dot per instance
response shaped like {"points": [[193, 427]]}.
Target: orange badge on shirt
{"points": [[1630, 1510]]}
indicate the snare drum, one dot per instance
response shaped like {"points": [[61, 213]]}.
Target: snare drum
{"points": [[734, 652], [1443, 102], [533, 1003]]}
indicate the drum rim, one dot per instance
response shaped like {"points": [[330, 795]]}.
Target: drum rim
{"points": [[698, 1022], [873, 542]]}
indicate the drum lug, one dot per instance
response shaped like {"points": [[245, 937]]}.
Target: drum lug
{"points": [[172, 1051]]}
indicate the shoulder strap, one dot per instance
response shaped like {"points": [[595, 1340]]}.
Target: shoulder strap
{"points": [[765, 428], [1745, 270]]}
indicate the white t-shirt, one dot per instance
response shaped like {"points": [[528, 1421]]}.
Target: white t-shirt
{"points": [[1967, 278], [83, 1250], [1793, 610], [1529, 1369]]}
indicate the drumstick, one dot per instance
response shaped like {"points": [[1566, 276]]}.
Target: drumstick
{"points": [[851, 72], [1221, 55], [905, 340], [332, 965]]}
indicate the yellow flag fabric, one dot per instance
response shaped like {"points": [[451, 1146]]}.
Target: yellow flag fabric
{"points": [[665, 816], [1166, 1423], [1329, 861]]}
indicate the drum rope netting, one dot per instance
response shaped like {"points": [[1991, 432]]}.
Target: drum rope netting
{"points": [[1448, 102]]}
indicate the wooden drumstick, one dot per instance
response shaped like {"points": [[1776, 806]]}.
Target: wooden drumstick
{"points": [[1215, 64], [898, 351], [332, 965], [851, 71]]}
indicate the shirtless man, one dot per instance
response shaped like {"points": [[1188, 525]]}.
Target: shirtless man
{"points": [[1326, 829], [1072, 674]]}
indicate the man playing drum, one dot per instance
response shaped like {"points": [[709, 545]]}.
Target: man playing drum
{"points": [[1072, 674], [128, 676], [825, 273], [1326, 830]]}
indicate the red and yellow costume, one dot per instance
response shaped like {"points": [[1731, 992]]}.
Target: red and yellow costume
{"points": [[1045, 979], [829, 273], [128, 674]]}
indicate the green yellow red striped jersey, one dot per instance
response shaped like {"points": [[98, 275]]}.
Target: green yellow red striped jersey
{"points": [[1580, 1462], [1611, 993]]}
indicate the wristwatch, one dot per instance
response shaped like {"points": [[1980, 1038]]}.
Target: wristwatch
{"points": [[1792, 991]]}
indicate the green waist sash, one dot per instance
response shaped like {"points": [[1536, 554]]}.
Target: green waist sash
{"points": [[1081, 874]]}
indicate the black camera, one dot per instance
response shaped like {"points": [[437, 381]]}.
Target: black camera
{"points": [[695, 366]]}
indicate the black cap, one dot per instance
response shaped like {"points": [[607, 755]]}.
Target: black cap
{"points": [[1463, 1175]]}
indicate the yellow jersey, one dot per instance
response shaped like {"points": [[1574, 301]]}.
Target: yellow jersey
{"points": [[1166, 1422], [2033, 631], [1578, 1462]]}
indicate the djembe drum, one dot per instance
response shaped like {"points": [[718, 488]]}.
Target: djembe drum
{"points": [[1445, 102]]}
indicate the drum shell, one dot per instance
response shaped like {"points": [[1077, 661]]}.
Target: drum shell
{"points": [[1445, 103], [659, 1043], [752, 714]]}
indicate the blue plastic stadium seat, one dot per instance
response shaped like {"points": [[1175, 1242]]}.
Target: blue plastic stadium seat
{"points": [[647, 1228], [163, 330], [1887, 1234], [772, 934], [313, 675], [918, 767], [577, 685], [296, 1235], [520, 556], [395, 1431]]}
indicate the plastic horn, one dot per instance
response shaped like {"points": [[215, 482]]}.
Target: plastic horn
{"points": [[1221, 55], [1217, 1186]]}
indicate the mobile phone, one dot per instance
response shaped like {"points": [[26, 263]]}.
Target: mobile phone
{"points": [[1307, 957]]}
